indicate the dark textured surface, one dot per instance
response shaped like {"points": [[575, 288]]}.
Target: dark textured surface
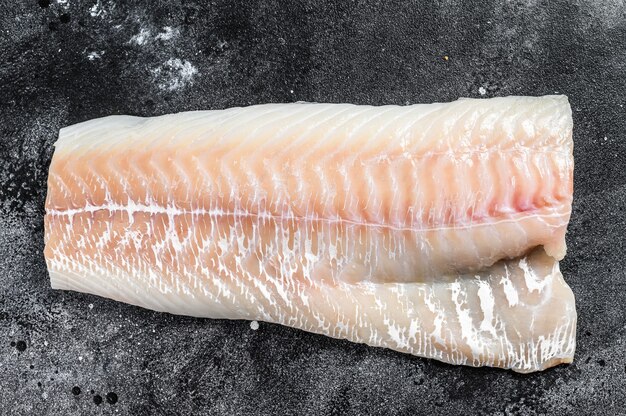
{"points": [[65, 62]]}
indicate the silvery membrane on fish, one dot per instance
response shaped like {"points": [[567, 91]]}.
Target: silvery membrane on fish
{"points": [[430, 229]]}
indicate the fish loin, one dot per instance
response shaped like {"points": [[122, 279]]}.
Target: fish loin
{"points": [[429, 229]]}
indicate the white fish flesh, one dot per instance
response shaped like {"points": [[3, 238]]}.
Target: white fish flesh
{"points": [[431, 229]]}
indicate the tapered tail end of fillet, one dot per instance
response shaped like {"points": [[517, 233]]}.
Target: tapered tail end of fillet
{"points": [[98, 130]]}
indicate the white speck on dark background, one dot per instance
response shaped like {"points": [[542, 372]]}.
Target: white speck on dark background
{"points": [[99, 10], [93, 55], [174, 74], [167, 33], [142, 37]]}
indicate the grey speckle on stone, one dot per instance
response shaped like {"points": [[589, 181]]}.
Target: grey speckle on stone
{"points": [[228, 53]]}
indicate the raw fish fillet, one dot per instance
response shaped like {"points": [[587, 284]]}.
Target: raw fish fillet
{"points": [[432, 229]]}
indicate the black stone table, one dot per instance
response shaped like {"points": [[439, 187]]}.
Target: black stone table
{"points": [[66, 61]]}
